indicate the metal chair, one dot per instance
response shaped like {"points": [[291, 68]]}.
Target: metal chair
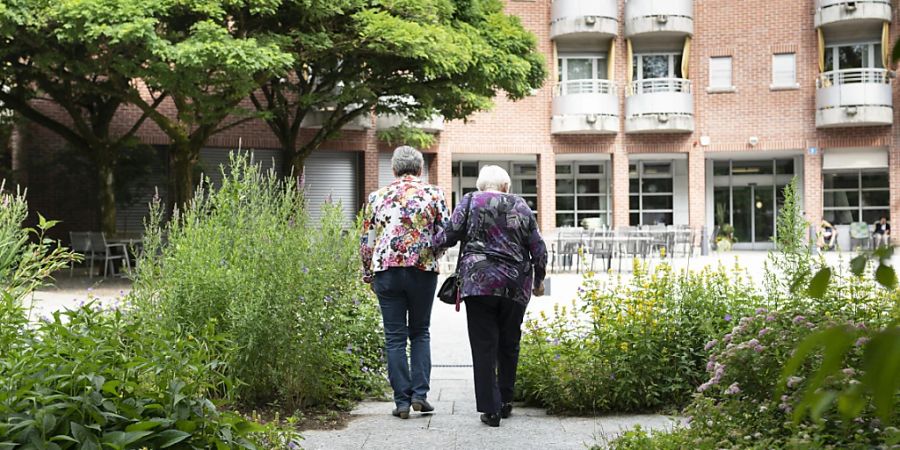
{"points": [[100, 249], [600, 245], [567, 248]]}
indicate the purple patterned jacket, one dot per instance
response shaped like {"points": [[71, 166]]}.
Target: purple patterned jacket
{"points": [[504, 252]]}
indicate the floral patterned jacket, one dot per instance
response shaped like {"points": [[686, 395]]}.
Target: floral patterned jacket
{"points": [[504, 253], [399, 224]]}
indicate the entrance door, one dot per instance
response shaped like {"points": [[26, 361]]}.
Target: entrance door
{"points": [[754, 216]]}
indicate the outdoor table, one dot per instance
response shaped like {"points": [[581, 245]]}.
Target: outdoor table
{"points": [[132, 245]]}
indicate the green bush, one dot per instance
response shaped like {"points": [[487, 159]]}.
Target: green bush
{"points": [[634, 346], [306, 329]]}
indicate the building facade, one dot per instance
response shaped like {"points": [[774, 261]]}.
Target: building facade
{"points": [[677, 112]]}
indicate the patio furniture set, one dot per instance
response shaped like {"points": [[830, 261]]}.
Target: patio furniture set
{"points": [[95, 246]]}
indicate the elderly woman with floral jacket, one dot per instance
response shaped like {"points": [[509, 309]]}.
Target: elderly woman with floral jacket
{"points": [[503, 258]]}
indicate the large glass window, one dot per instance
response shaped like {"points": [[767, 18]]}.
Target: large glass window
{"points": [[524, 180], [582, 192], [651, 193], [577, 73], [656, 65], [747, 195], [865, 55], [854, 196]]}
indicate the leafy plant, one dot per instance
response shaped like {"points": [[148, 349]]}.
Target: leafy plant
{"points": [[306, 329]]}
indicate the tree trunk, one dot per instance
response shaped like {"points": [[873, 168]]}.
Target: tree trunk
{"points": [[106, 194], [182, 160]]}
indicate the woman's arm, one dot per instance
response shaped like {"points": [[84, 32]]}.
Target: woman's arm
{"points": [[452, 232], [538, 250]]}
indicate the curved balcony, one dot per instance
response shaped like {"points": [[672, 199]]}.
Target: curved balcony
{"points": [[839, 13], [388, 121], [854, 98], [584, 18], [586, 107], [672, 17], [660, 105]]}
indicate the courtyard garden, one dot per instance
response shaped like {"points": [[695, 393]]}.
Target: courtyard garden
{"points": [[246, 318]]}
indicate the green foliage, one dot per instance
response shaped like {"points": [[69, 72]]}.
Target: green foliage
{"points": [[789, 267], [633, 346], [246, 255], [27, 257], [91, 379], [406, 135]]}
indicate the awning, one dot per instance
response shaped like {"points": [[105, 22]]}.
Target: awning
{"points": [[836, 159]]}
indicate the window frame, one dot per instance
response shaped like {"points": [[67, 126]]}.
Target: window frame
{"points": [[730, 84], [860, 209], [873, 58], [638, 65], [781, 83], [575, 176], [640, 176]]}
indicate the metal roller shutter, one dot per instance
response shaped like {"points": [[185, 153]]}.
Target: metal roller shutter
{"points": [[386, 173], [332, 175], [130, 216], [213, 159]]}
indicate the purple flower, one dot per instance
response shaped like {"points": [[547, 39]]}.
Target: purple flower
{"points": [[306, 270], [328, 299], [733, 389], [710, 344], [556, 342], [727, 338], [862, 341], [849, 371], [770, 318], [556, 357], [793, 381], [349, 348], [710, 366], [764, 332], [728, 317], [365, 369], [798, 320], [761, 311]]}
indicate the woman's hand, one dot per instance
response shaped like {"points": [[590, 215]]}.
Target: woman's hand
{"points": [[539, 291]]}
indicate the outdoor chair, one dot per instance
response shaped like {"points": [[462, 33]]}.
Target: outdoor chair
{"points": [[859, 233], [600, 245], [567, 249], [101, 249], [80, 242]]}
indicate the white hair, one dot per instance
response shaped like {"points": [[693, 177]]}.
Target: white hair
{"points": [[407, 161], [493, 178]]}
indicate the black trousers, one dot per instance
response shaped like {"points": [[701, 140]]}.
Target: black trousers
{"points": [[495, 328]]}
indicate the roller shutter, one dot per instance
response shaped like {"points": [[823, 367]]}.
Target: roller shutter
{"points": [[332, 175], [133, 208]]}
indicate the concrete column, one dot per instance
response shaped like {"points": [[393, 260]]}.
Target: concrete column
{"points": [[619, 187], [546, 184], [697, 188], [812, 187]]}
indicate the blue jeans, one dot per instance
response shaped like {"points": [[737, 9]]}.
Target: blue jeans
{"points": [[406, 295]]}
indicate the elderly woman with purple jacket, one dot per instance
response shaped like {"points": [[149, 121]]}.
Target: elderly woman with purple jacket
{"points": [[503, 261]]}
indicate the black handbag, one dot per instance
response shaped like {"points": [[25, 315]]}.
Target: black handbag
{"points": [[449, 290]]}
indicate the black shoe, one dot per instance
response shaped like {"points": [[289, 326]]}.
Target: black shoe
{"points": [[401, 412], [506, 410], [491, 420], [422, 405]]}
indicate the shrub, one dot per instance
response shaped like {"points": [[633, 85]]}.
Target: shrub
{"points": [[306, 329], [633, 346]]}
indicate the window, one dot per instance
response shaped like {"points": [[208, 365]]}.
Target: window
{"points": [[651, 193], [657, 65], [582, 192], [577, 73], [854, 196], [524, 183], [720, 72], [853, 56], [784, 70]]}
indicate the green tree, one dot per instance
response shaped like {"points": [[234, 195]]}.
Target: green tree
{"points": [[78, 58], [415, 58], [202, 65]]}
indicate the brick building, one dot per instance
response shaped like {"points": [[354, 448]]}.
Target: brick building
{"points": [[657, 111]]}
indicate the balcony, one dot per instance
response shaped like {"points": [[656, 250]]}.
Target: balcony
{"points": [[854, 98], [660, 105], [388, 121], [584, 18], [586, 107], [846, 14], [664, 17]]}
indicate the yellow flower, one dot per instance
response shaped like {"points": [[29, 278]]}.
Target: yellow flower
{"points": [[624, 346]]}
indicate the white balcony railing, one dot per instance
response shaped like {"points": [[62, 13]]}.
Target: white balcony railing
{"points": [[653, 16], [854, 97], [580, 17], [660, 85], [849, 76], [586, 87]]}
